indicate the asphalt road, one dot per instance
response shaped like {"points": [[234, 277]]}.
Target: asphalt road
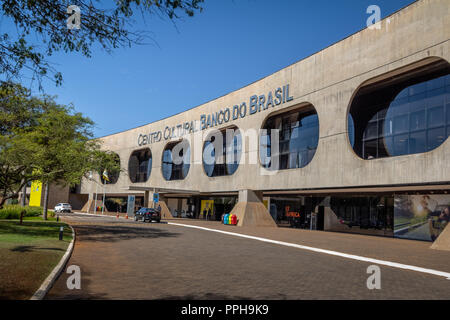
{"points": [[122, 259]]}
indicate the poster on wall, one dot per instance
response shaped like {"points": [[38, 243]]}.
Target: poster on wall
{"points": [[207, 209], [130, 205], [421, 217], [35, 194]]}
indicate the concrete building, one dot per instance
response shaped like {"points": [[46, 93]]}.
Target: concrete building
{"points": [[356, 140]]}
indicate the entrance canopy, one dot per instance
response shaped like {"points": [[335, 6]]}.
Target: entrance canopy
{"points": [[161, 190], [178, 192]]}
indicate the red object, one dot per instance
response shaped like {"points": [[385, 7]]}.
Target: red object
{"points": [[234, 219], [126, 216]]}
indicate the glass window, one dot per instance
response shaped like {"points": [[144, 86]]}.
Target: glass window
{"points": [[436, 93], [448, 112], [298, 139], [351, 130], [436, 137], [167, 164], [233, 153], [401, 124], [400, 145], [140, 165], [417, 120], [371, 214], [418, 88], [176, 161], [436, 83], [418, 142], [388, 127], [370, 149], [224, 161], [436, 116], [413, 121], [372, 130], [383, 147]]}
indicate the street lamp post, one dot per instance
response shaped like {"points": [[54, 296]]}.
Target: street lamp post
{"points": [[103, 205], [95, 201]]}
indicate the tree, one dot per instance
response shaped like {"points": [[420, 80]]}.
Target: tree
{"points": [[52, 143], [18, 111], [47, 21]]}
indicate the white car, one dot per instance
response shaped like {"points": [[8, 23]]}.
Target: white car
{"points": [[63, 207]]}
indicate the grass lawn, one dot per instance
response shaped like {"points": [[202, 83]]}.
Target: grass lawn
{"points": [[28, 253]]}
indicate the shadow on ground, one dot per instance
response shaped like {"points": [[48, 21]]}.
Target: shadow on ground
{"points": [[206, 296], [31, 248], [41, 229], [117, 233], [14, 294]]}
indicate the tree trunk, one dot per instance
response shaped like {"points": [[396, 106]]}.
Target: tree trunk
{"points": [[24, 195], [44, 213], [22, 213]]}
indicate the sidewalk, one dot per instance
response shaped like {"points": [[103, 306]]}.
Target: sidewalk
{"points": [[417, 253]]}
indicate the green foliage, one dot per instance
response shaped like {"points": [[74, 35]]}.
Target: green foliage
{"points": [[106, 24], [42, 140], [13, 212]]}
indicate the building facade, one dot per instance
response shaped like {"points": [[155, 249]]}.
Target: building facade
{"points": [[351, 139]]}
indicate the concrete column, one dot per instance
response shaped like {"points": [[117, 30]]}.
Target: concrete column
{"points": [[147, 199], [443, 240], [165, 212], [149, 196], [250, 210], [89, 205]]}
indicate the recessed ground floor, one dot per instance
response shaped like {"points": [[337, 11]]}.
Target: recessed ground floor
{"points": [[418, 215]]}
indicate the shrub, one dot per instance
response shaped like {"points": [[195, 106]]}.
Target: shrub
{"points": [[13, 211]]}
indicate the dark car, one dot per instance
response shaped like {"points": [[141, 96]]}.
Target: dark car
{"points": [[147, 214]]}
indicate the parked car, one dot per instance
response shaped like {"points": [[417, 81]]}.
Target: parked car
{"points": [[147, 214], [63, 207]]}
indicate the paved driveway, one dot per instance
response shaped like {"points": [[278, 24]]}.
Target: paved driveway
{"points": [[122, 259]]}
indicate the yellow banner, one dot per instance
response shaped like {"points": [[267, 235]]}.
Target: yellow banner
{"points": [[207, 209], [36, 192]]}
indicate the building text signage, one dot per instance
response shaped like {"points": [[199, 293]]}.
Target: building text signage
{"points": [[255, 104]]}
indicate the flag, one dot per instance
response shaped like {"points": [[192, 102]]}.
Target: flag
{"points": [[105, 175]]}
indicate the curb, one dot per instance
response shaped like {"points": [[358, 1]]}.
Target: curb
{"points": [[96, 215], [50, 280]]}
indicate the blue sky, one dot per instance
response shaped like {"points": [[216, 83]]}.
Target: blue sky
{"points": [[227, 46]]}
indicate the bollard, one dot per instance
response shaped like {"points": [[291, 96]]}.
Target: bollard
{"points": [[61, 230], [57, 218]]}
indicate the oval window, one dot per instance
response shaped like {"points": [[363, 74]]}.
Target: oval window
{"points": [[289, 140], [408, 116]]}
